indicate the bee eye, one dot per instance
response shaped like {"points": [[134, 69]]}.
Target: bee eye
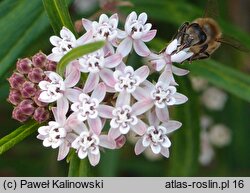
{"points": [[203, 37]]}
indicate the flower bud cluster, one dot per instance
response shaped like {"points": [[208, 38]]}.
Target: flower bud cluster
{"points": [[24, 90]]}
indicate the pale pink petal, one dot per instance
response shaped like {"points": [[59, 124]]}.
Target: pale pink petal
{"points": [[165, 77], [140, 48], [125, 47], [142, 72], [107, 77], [105, 111], [113, 60], [147, 27], [73, 77], [141, 94], [85, 38], [140, 128], [152, 118], [114, 133], [110, 89], [179, 71], [55, 114], [120, 141], [72, 94], [165, 152], [139, 148], [62, 109], [162, 114], [121, 34], [94, 159], [95, 125], [41, 137], [91, 82], [63, 151], [121, 67], [99, 92], [54, 57], [130, 17], [158, 64], [171, 47], [142, 106], [54, 40], [123, 99], [181, 56], [171, 125], [148, 86], [103, 18], [180, 98], [107, 142], [149, 36], [87, 24]]}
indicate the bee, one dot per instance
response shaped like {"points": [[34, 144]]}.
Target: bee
{"points": [[203, 36]]}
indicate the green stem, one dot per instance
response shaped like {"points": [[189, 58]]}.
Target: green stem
{"points": [[77, 167]]}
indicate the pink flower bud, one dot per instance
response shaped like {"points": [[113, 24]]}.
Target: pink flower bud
{"points": [[28, 89], [41, 114], [15, 97], [39, 60], [16, 80], [26, 107], [18, 115], [120, 141], [24, 65], [35, 99], [51, 66], [36, 75]]}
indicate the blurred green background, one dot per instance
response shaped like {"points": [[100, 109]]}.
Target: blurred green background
{"points": [[25, 29]]}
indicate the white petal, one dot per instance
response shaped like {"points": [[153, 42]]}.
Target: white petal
{"points": [[85, 38], [63, 151], [54, 40], [149, 36], [72, 78], [139, 148], [114, 133], [125, 47], [113, 60], [166, 143], [82, 154], [54, 57], [62, 109], [181, 56], [165, 152], [87, 24], [152, 118], [179, 71], [143, 17], [140, 48], [155, 148], [141, 94], [72, 94]]}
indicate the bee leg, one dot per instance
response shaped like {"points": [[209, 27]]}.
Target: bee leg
{"points": [[181, 31]]}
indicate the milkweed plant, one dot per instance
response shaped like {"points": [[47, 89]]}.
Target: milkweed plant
{"points": [[101, 90]]}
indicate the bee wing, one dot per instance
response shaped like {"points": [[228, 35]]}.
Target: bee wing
{"points": [[212, 9], [234, 43]]}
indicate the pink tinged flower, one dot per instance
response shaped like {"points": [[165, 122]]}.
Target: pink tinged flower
{"points": [[125, 117], [137, 31], [96, 64], [156, 138], [86, 107], [57, 88], [63, 44], [87, 144], [24, 65]]}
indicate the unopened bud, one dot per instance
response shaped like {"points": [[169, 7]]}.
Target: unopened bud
{"points": [[39, 60], [26, 107], [28, 90], [38, 102], [18, 115], [36, 75], [41, 114], [15, 97], [24, 65], [16, 80]]}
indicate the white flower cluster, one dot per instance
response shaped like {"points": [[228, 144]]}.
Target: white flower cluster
{"points": [[114, 94]]}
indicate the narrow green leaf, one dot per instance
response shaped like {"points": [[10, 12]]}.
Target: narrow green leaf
{"points": [[77, 167], [17, 136], [18, 31], [76, 53], [58, 13], [185, 142], [222, 76]]}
